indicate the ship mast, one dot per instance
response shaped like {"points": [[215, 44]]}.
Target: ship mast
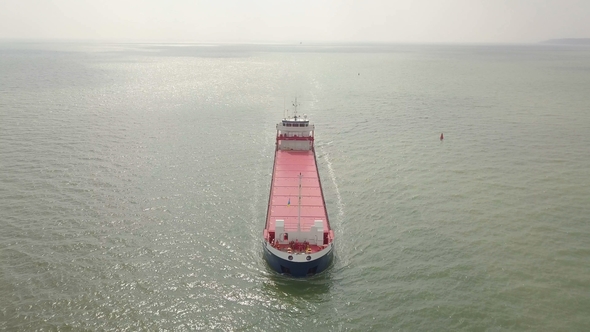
{"points": [[299, 206], [295, 104]]}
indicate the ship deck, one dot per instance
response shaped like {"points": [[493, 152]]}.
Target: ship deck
{"points": [[284, 193]]}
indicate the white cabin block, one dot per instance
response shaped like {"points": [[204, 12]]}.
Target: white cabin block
{"points": [[279, 230], [318, 227]]}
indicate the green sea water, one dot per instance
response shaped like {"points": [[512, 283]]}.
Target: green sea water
{"points": [[134, 181]]}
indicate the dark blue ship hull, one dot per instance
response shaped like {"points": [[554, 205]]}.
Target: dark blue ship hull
{"points": [[299, 268]]}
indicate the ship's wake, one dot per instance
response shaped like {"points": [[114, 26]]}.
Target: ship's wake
{"points": [[341, 257], [332, 174]]}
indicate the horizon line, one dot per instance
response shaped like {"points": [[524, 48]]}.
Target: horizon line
{"points": [[273, 42]]}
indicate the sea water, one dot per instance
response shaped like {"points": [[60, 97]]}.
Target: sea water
{"points": [[134, 182]]}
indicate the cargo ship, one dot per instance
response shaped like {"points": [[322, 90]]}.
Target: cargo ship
{"points": [[298, 240]]}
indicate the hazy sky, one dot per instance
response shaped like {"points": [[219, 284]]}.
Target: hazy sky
{"points": [[447, 21]]}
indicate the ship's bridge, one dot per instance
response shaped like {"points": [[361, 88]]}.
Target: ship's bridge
{"points": [[295, 122], [295, 133]]}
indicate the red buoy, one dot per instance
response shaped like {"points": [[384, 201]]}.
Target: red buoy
{"points": [[441, 136]]}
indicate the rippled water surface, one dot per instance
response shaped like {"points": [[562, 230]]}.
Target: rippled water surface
{"points": [[134, 181]]}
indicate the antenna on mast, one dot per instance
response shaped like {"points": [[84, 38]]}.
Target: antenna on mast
{"points": [[295, 104]]}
